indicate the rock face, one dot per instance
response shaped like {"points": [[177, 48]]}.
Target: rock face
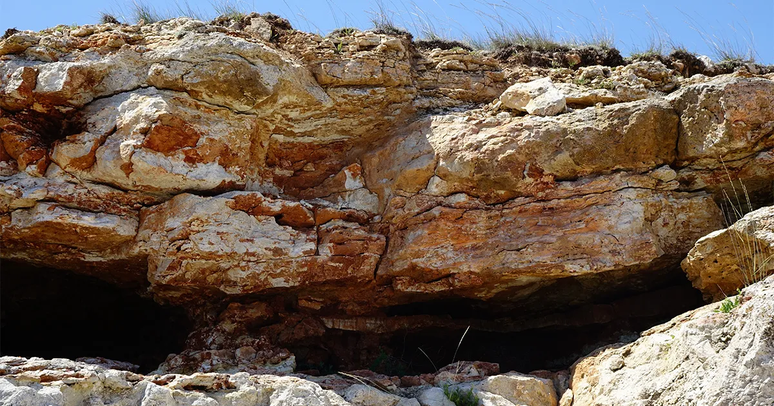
{"points": [[242, 242], [701, 357], [459, 246], [729, 259], [307, 200], [712, 115]]}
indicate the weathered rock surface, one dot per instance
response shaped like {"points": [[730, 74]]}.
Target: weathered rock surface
{"points": [[538, 97], [292, 191], [699, 358], [56, 382], [501, 158], [242, 242], [63, 382], [729, 259], [727, 118], [482, 251]]}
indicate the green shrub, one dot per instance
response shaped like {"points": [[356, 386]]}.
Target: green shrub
{"points": [[343, 32], [729, 304], [460, 397]]}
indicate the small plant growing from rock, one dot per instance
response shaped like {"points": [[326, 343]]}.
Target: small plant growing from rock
{"points": [[729, 304], [343, 32], [461, 397], [582, 81]]}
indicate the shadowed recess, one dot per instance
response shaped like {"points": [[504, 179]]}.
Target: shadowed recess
{"points": [[510, 336], [52, 313]]}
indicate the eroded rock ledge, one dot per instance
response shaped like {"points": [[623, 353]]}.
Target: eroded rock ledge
{"points": [[302, 196], [698, 357]]}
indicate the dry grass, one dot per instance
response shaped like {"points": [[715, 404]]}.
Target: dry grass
{"points": [[739, 47], [752, 255], [146, 13], [233, 10], [659, 42], [503, 24], [140, 11], [384, 19], [506, 25]]}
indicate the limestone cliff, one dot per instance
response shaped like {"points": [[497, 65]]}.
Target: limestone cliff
{"points": [[307, 201]]}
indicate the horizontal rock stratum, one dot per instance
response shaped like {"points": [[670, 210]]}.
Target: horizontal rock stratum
{"points": [[287, 189]]}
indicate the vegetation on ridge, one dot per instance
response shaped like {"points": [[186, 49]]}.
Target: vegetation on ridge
{"points": [[505, 27]]}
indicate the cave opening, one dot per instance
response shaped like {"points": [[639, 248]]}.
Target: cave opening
{"points": [[52, 313], [509, 337]]}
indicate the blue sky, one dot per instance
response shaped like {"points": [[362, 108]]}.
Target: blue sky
{"points": [[634, 25]]}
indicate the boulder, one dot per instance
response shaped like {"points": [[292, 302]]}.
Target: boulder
{"points": [[727, 117], [729, 259], [362, 395], [521, 389], [481, 251], [434, 397], [501, 158], [700, 357], [539, 97], [244, 242]]}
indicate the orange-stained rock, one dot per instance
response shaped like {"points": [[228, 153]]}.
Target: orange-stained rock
{"points": [[24, 146], [499, 158], [345, 190], [730, 259], [23, 191], [161, 142], [18, 91], [285, 187], [170, 133], [478, 252], [8, 165], [285, 212], [76, 228], [95, 244], [237, 243]]}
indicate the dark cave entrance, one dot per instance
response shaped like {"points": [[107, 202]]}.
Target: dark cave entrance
{"points": [[549, 341], [52, 313]]}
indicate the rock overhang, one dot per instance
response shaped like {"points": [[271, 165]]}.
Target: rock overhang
{"points": [[216, 168]]}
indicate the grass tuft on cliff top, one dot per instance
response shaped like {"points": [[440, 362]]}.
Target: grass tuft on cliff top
{"points": [[505, 26]]}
